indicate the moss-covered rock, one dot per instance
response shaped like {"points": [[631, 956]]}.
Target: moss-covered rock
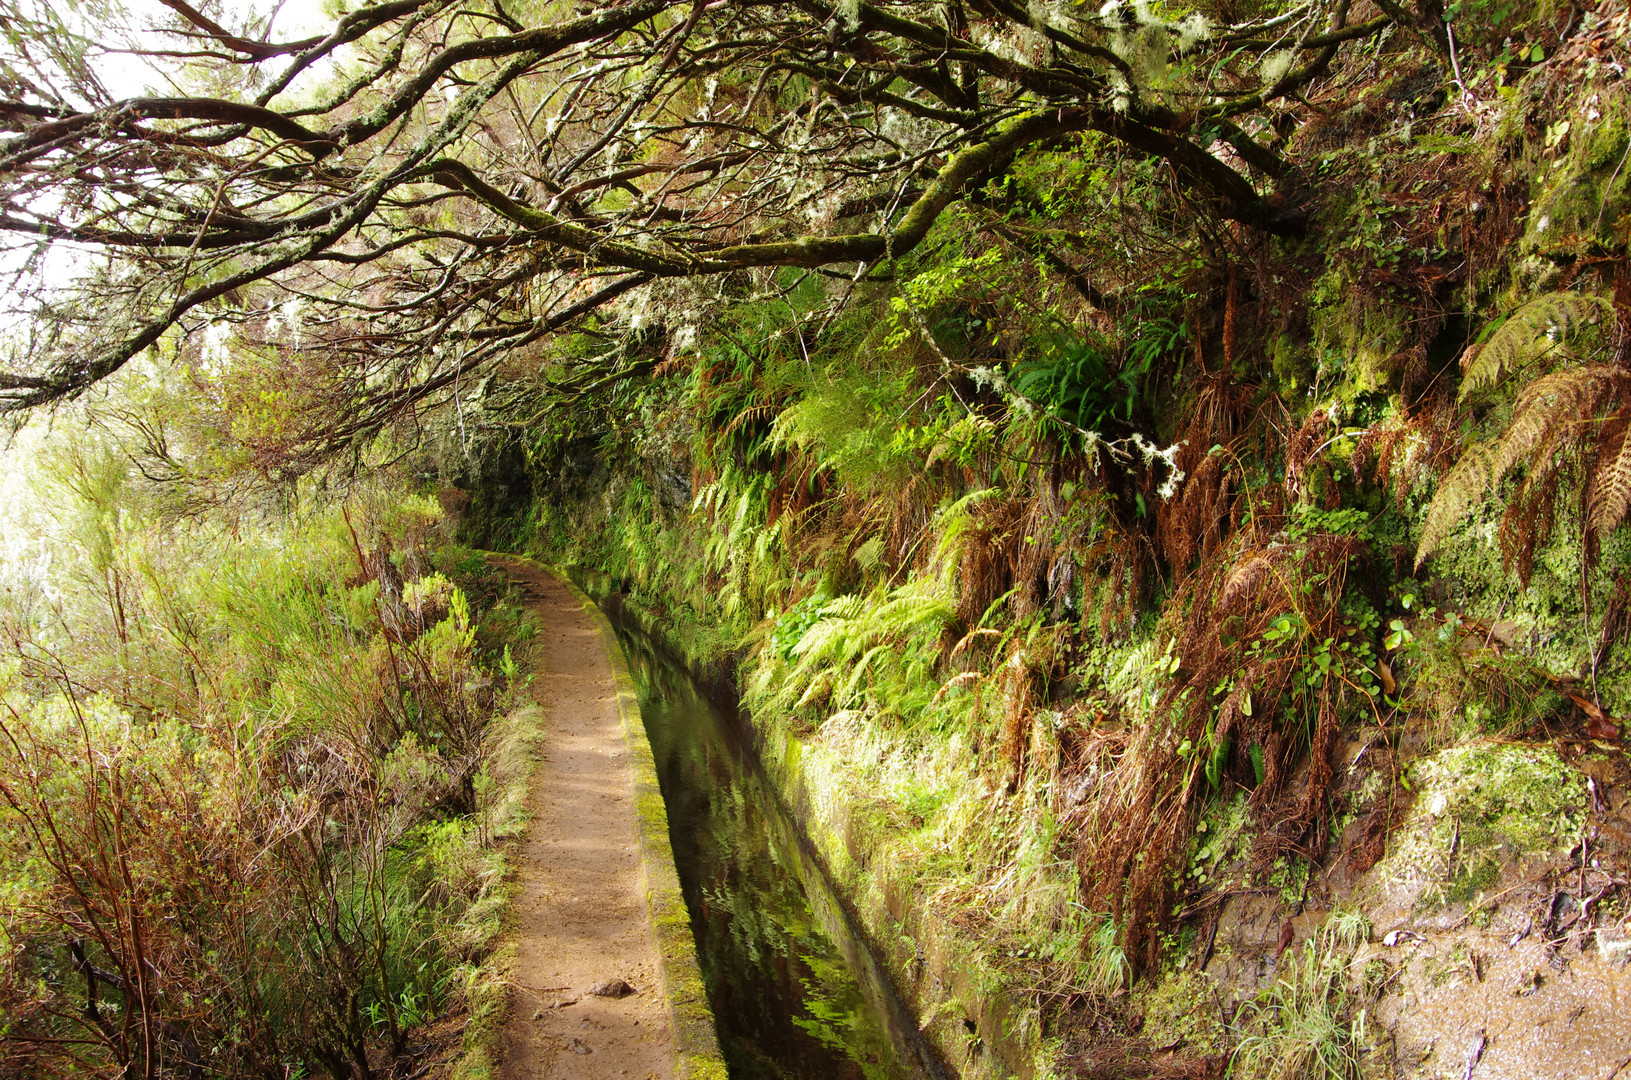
{"points": [[1582, 188], [1293, 367], [1480, 807], [1175, 1012]]}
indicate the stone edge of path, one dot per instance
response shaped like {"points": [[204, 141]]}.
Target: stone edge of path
{"points": [[696, 1044]]}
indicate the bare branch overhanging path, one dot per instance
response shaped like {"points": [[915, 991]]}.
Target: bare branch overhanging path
{"points": [[581, 916]]}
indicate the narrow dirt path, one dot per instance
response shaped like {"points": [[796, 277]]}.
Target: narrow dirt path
{"points": [[581, 914]]}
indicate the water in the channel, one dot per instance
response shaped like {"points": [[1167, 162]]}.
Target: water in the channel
{"points": [[795, 995]]}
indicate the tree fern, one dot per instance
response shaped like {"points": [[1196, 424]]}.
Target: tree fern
{"points": [[1462, 490], [1548, 411], [1550, 417], [1529, 333]]}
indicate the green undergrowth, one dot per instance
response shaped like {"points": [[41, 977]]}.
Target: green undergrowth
{"points": [[253, 782], [944, 739], [953, 727], [1069, 616], [1162, 538]]}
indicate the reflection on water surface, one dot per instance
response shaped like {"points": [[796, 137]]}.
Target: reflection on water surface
{"points": [[795, 997]]}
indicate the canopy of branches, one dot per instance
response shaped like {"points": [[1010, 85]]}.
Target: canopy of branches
{"points": [[398, 203]]}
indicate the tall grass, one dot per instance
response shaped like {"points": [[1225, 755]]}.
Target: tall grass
{"points": [[1300, 1027]]}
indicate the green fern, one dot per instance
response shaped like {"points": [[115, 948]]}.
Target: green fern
{"points": [[1531, 332], [957, 525], [857, 640]]}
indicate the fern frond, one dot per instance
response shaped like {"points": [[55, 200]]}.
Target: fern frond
{"points": [[852, 685], [1529, 333], [1546, 422], [955, 523], [750, 415], [908, 611], [819, 687], [1460, 491], [1243, 580], [1608, 498], [821, 643], [1548, 410]]}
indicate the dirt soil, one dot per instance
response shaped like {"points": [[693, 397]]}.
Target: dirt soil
{"points": [[580, 907]]}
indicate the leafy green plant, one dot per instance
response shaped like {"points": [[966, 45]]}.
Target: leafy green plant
{"points": [[1306, 521], [795, 622], [1080, 382]]}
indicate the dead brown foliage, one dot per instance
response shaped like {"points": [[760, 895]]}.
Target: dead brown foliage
{"points": [[1231, 696], [1193, 524]]}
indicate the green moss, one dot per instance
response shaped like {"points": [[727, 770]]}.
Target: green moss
{"points": [[1479, 808], [1498, 682], [1176, 1009], [698, 1067], [1222, 839], [1289, 875], [1584, 192], [1293, 367], [1524, 796], [1470, 879]]}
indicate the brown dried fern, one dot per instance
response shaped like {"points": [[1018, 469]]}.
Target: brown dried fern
{"points": [[1458, 493], [1550, 422], [1409, 448], [1608, 492], [1300, 448], [1145, 811], [1194, 523], [1549, 410]]}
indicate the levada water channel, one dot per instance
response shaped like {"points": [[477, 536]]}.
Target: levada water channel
{"points": [[796, 994]]}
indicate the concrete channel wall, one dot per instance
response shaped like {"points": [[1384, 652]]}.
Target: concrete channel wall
{"points": [[976, 1027]]}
